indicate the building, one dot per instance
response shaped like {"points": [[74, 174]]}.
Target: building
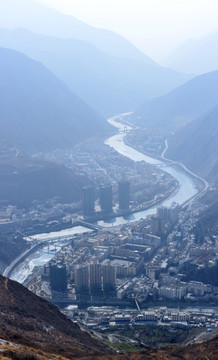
{"points": [[180, 316], [172, 291], [88, 278], [157, 225], [95, 277], [216, 245], [146, 316], [168, 213], [152, 240], [162, 213], [88, 200], [109, 277], [143, 251], [58, 277], [165, 216], [81, 279], [105, 197], [196, 288], [152, 271], [124, 194], [125, 268], [122, 291], [167, 291]]}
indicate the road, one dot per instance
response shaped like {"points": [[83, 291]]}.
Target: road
{"points": [[206, 184]]}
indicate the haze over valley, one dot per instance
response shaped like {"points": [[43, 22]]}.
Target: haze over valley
{"points": [[108, 180]]}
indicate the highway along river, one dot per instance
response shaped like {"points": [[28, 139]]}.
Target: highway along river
{"points": [[189, 186]]}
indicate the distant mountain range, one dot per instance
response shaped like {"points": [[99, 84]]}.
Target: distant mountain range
{"points": [[196, 56], [111, 84], [37, 111], [32, 15], [183, 104]]}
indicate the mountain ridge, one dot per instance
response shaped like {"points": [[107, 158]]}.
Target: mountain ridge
{"points": [[37, 110], [196, 145], [196, 55], [30, 14], [108, 83], [183, 104]]}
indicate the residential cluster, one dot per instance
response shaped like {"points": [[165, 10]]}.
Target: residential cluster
{"points": [[135, 264], [100, 318]]}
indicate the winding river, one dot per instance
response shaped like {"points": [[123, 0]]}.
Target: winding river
{"points": [[188, 187], [187, 190]]}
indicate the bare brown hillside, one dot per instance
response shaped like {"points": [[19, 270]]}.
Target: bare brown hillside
{"points": [[32, 328], [29, 320]]}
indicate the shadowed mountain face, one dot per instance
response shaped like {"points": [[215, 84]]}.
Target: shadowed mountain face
{"points": [[11, 246], [37, 111], [23, 180], [196, 56], [193, 99], [196, 145], [108, 83]]}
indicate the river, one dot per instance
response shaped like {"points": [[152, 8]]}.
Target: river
{"points": [[187, 180], [46, 252], [187, 190]]}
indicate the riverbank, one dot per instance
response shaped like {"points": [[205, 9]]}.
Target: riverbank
{"points": [[201, 183], [187, 189], [200, 305]]}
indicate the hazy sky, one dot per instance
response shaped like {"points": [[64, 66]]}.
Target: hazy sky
{"points": [[155, 26]]}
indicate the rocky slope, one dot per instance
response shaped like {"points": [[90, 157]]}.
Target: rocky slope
{"points": [[204, 351], [29, 320], [32, 328]]}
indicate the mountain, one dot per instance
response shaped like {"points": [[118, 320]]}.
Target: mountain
{"points": [[37, 111], [108, 83], [11, 246], [23, 180], [34, 16], [32, 321], [32, 328], [196, 145], [196, 56], [193, 99], [207, 350], [207, 224]]}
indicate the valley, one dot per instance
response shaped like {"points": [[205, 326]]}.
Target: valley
{"points": [[62, 248], [108, 180]]}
